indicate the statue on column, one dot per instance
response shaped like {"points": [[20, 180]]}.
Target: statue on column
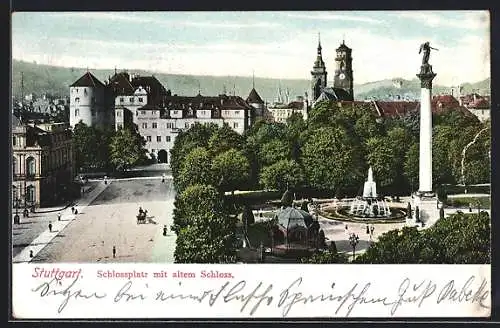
{"points": [[426, 49]]}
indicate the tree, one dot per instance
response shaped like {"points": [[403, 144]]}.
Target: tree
{"points": [[231, 170], [274, 151], [195, 169], [224, 139], [332, 160], [411, 169], [209, 236], [282, 175], [457, 239], [85, 142], [382, 159], [127, 148], [193, 200], [196, 136], [326, 257]]}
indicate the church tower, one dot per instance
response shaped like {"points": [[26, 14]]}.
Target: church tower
{"points": [[343, 78], [318, 81]]}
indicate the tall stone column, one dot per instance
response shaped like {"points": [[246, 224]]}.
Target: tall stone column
{"points": [[425, 159]]}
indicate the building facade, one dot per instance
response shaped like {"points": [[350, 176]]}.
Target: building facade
{"points": [[281, 112], [42, 163], [89, 102]]}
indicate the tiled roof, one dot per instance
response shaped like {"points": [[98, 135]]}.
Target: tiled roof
{"points": [[401, 108], [16, 122], [396, 108], [481, 103], [254, 98], [445, 101], [296, 105], [88, 80], [206, 102], [120, 84]]}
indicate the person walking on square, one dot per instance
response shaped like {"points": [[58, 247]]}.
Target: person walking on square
{"points": [[59, 217], [31, 253], [163, 178], [165, 230], [50, 226], [114, 251], [76, 211], [367, 229], [73, 209]]}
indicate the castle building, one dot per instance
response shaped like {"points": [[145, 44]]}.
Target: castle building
{"points": [[42, 163], [89, 102]]}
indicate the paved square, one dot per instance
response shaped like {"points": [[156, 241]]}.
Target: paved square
{"points": [[110, 220]]}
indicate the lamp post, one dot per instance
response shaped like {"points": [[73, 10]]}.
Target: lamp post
{"points": [[353, 240]]}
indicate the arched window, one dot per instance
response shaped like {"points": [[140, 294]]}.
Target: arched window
{"points": [[30, 194], [14, 166], [30, 166]]}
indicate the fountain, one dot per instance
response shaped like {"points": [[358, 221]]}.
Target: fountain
{"points": [[370, 205]]}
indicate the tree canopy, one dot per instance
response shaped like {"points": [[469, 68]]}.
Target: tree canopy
{"points": [[127, 148]]}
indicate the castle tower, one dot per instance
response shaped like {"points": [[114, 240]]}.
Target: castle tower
{"points": [[343, 78], [319, 74], [87, 100]]}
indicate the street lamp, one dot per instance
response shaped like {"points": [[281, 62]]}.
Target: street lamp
{"points": [[353, 240]]}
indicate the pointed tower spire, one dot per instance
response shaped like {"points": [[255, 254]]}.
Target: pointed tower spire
{"points": [[319, 44], [253, 79]]}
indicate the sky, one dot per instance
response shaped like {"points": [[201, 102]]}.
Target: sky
{"points": [[268, 44]]}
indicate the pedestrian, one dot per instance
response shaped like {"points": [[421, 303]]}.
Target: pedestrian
{"points": [[372, 229], [76, 211], [59, 217], [73, 209], [163, 178], [470, 207], [165, 230], [31, 253], [50, 226], [105, 180], [114, 251], [367, 229], [346, 227]]}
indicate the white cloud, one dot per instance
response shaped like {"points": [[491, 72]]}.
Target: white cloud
{"points": [[334, 17], [471, 20], [375, 57]]}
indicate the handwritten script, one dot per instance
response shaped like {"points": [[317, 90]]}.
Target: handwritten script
{"points": [[250, 296]]}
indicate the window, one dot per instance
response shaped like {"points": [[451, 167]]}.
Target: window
{"points": [[30, 166], [77, 99], [119, 125], [118, 113], [167, 138], [140, 99], [131, 99], [158, 138], [30, 194], [85, 92], [170, 125], [13, 142], [143, 112], [14, 166], [155, 125], [144, 125], [122, 99], [175, 112], [148, 138], [77, 112], [235, 125], [237, 112]]}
